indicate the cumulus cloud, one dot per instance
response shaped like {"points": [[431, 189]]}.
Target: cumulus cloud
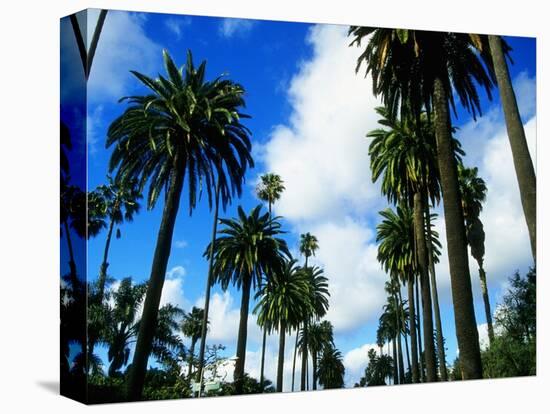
{"points": [[356, 361], [123, 46], [322, 156], [172, 292], [231, 27]]}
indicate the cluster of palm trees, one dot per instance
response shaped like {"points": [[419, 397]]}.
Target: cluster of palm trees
{"points": [[250, 254], [419, 75], [190, 128], [185, 135]]}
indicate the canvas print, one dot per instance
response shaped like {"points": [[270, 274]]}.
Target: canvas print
{"points": [[265, 206]]}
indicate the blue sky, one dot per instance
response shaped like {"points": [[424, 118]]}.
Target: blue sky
{"points": [[310, 114]]}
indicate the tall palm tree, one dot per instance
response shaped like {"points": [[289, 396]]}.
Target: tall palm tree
{"points": [[387, 324], [319, 337], [308, 245], [191, 327], [318, 297], [403, 154], [122, 324], [222, 191], [415, 70], [269, 189], [474, 191], [282, 304], [396, 253], [246, 249], [120, 203], [185, 126], [331, 368], [523, 164]]}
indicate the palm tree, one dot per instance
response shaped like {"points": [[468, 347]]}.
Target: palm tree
{"points": [[119, 200], [222, 191], [269, 189], [474, 191], [191, 327], [392, 313], [87, 56], [523, 164], [122, 324], [319, 337], [308, 245], [246, 248], [185, 126], [378, 369], [331, 369], [403, 155], [396, 253], [415, 70], [389, 330], [282, 304], [318, 297]]}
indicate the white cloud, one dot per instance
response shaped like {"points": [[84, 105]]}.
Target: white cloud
{"points": [[181, 244], [176, 272], [94, 120], [322, 156], [176, 25], [355, 362], [347, 254], [231, 27], [123, 46], [172, 291]]}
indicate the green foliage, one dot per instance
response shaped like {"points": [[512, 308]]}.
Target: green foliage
{"points": [[405, 66], [247, 248], [379, 368], [186, 125], [331, 368], [513, 351], [308, 244], [270, 188], [285, 300]]}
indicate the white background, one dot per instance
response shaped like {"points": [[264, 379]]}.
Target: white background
{"points": [[29, 246]]}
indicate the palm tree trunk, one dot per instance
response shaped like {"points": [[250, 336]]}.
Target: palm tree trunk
{"points": [[148, 322], [294, 360], [412, 328], [241, 339], [314, 370], [191, 357], [101, 284], [403, 332], [395, 362], [398, 340], [419, 337], [281, 360], [420, 236], [307, 374], [105, 264], [485, 293], [72, 264], [435, 299], [523, 164], [461, 285], [95, 40], [303, 372], [204, 326], [264, 337]]}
